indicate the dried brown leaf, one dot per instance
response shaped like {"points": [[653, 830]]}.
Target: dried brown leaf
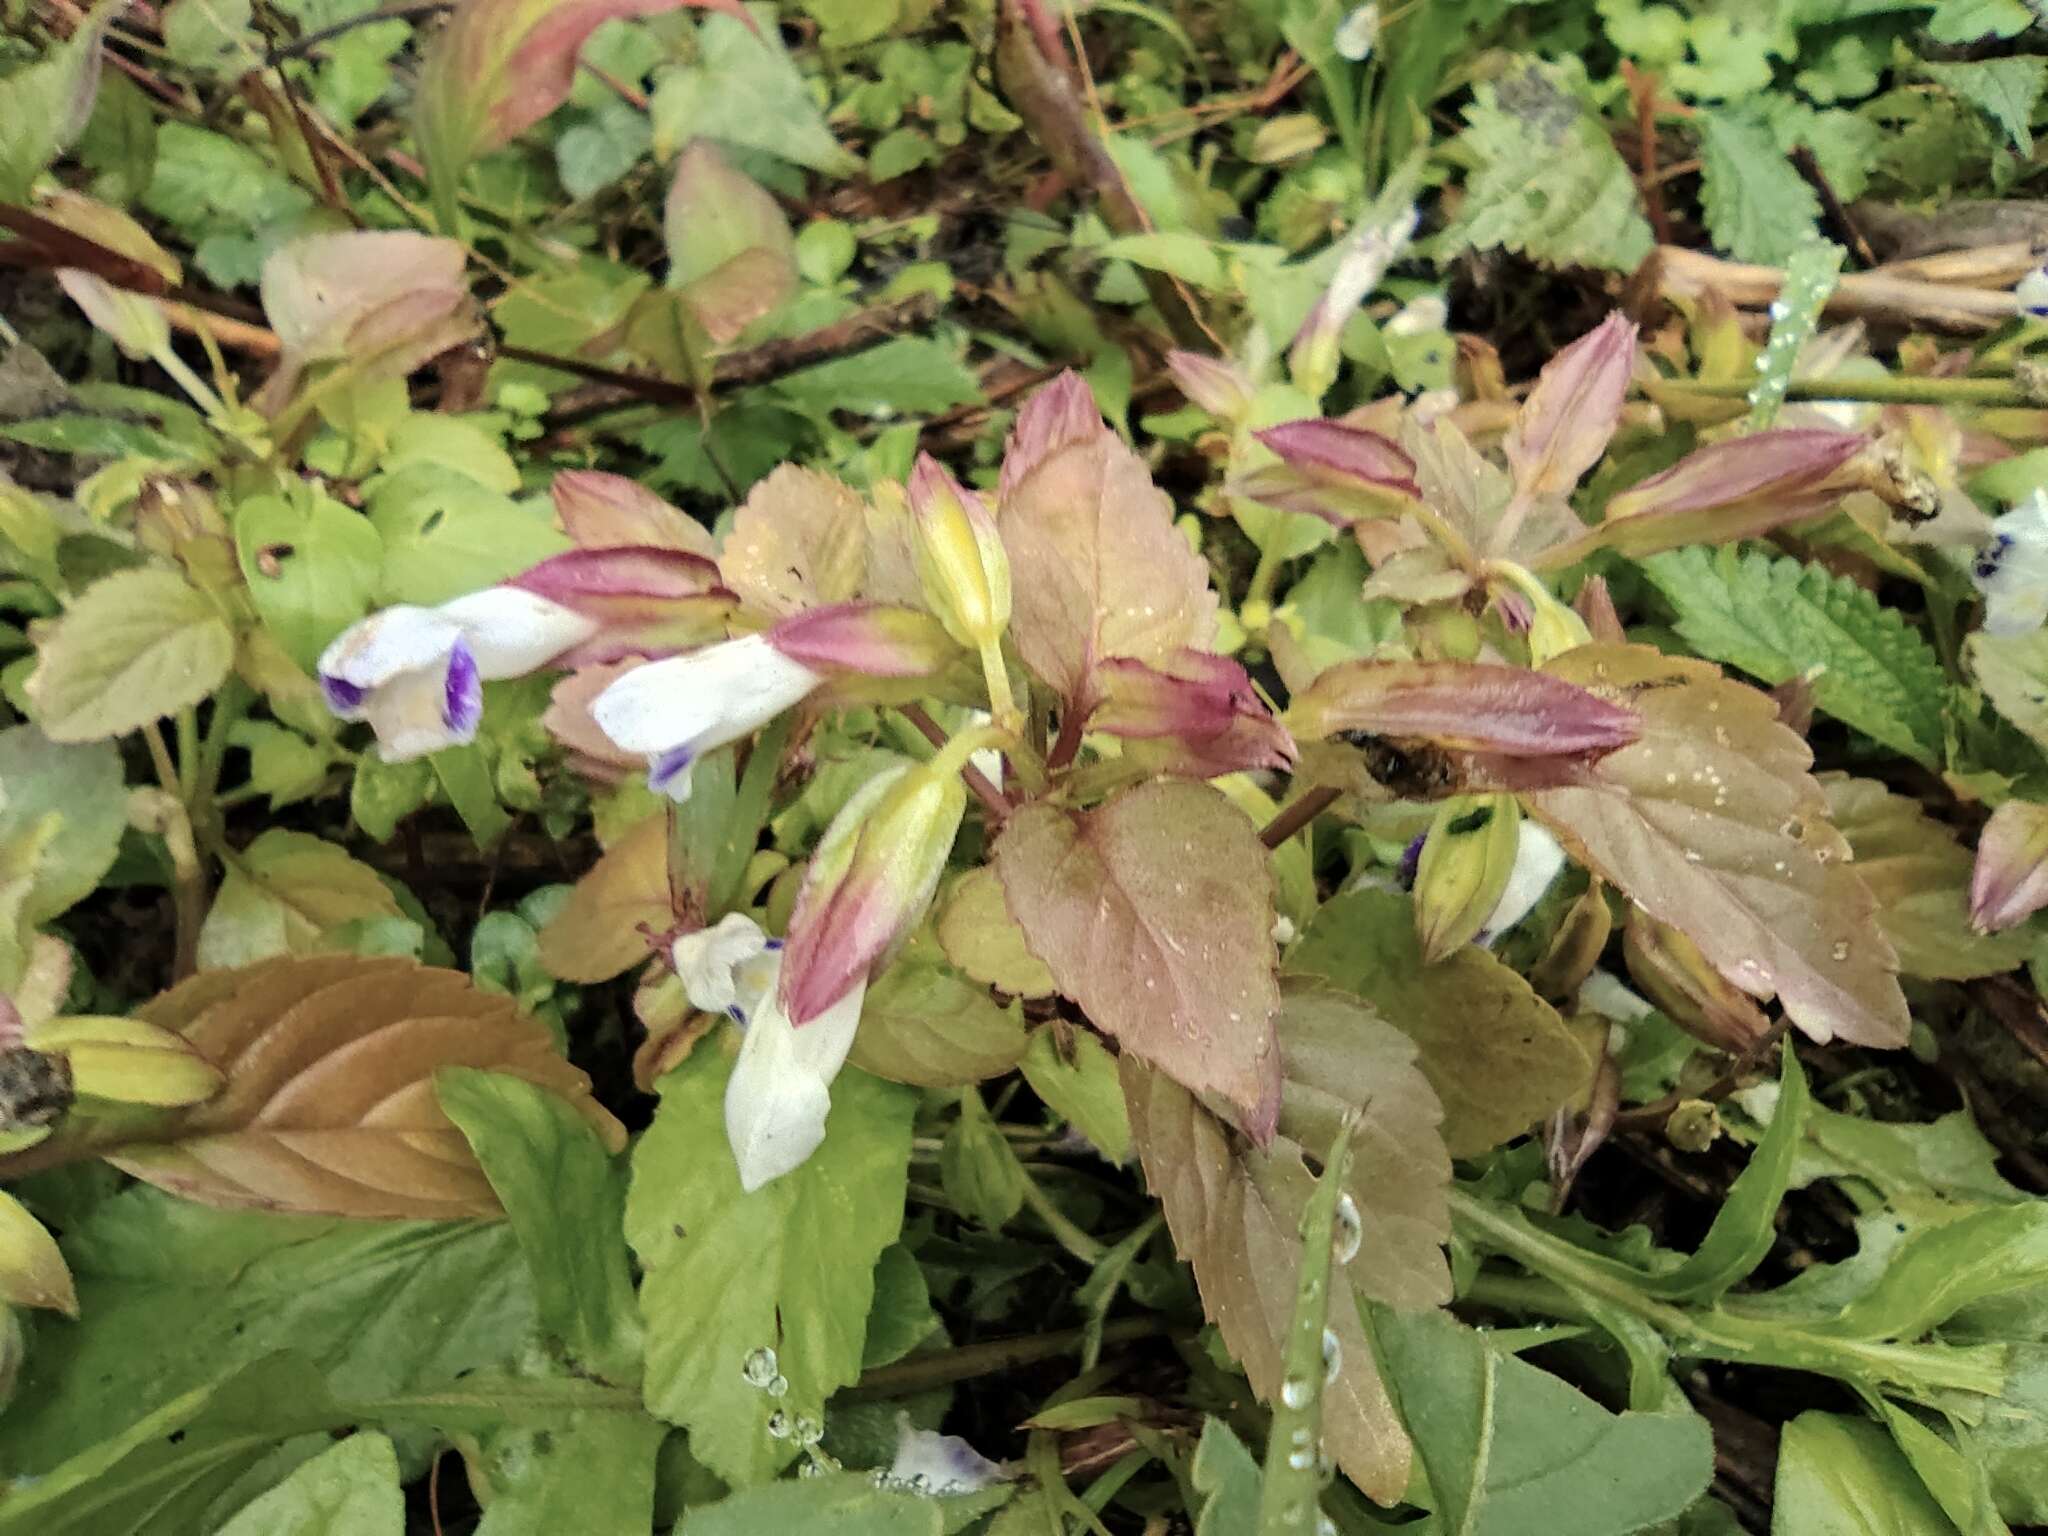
{"points": [[597, 934], [329, 1105]]}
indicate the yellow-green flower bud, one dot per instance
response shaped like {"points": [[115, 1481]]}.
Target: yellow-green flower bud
{"points": [[1467, 857], [960, 558]]}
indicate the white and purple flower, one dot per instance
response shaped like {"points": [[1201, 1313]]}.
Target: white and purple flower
{"points": [[417, 674], [781, 1087], [2012, 570]]}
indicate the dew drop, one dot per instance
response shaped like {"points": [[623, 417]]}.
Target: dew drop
{"points": [[1347, 1232], [778, 1425], [811, 1469], [1294, 1392], [759, 1366], [1333, 1356], [778, 1386], [1325, 1526], [1301, 1461], [807, 1432], [1301, 1436]]}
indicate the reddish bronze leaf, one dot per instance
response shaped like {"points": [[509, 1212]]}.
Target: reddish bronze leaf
{"points": [[1465, 706], [1154, 912], [329, 1105], [1712, 823]]}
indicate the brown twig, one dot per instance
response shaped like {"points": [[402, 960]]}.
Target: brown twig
{"points": [[993, 800], [1642, 90], [1298, 813], [1837, 211]]}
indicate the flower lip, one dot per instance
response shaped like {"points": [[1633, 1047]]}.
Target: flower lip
{"points": [[344, 698], [463, 692]]}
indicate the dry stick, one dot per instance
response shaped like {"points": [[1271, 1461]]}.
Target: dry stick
{"points": [[1298, 814], [1642, 87], [1885, 293], [1837, 210], [921, 1373]]}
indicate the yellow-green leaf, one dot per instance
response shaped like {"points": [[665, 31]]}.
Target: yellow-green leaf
{"points": [[135, 647]]}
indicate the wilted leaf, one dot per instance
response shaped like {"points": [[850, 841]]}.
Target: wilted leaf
{"points": [[1234, 1210], [1097, 567], [82, 785], [1498, 1056], [330, 1101], [1154, 912], [498, 67], [979, 936], [597, 934], [925, 1024], [730, 251], [1712, 823], [284, 895], [135, 647], [798, 541], [788, 1268], [1920, 877]]}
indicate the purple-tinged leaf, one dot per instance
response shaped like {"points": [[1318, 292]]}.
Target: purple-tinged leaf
{"points": [[2010, 882], [1328, 470], [606, 511], [1203, 707], [1570, 414], [1061, 413], [1465, 706], [731, 254]]}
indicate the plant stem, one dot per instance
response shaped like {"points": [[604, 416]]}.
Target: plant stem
{"points": [[942, 1368], [1298, 813], [993, 800], [1888, 391], [1069, 1236]]}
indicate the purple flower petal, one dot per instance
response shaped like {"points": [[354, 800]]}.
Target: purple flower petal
{"points": [[1411, 862], [463, 705], [344, 698], [669, 771]]}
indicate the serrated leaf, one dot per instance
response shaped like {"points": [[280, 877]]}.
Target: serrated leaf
{"points": [[1497, 1056], [179, 1293], [1097, 567], [788, 1267], [350, 1490], [135, 647], [1154, 912], [798, 541], [1509, 1446], [285, 894], [1712, 823], [565, 1200], [739, 63], [975, 929], [1757, 205], [1234, 1210], [2004, 90], [1547, 181], [1776, 618], [730, 251], [1920, 876], [330, 1101]]}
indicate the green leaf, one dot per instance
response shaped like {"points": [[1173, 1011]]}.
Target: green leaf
{"points": [[911, 374], [926, 1025], [459, 443], [82, 785], [902, 1317], [592, 1473], [211, 36], [566, 1202], [1508, 1447], [1179, 254], [2004, 90], [1546, 180], [311, 564], [446, 535], [1226, 1472], [135, 647], [179, 1292], [2013, 672], [44, 106], [977, 1168], [836, 1504], [788, 1268], [1498, 1056], [285, 894], [1076, 1076], [465, 778], [1970, 21], [735, 63], [1757, 205], [1776, 618], [596, 152], [162, 1472], [1843, 1477], [351, 1490]]}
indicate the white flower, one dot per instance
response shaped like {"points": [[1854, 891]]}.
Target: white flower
{"points": [[675, 711], [1538, 860], [2031, 293], [780, 1090], [1357, 33], [1418, 317], [417, 674], [929, 1462], [2012, 570]]}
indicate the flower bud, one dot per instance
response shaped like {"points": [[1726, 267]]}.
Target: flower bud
{"points": [[1215, 384], [869, 882], [1675, 976], [128, 1061], [961, 562], [2010, 883], [1462, 872]]}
